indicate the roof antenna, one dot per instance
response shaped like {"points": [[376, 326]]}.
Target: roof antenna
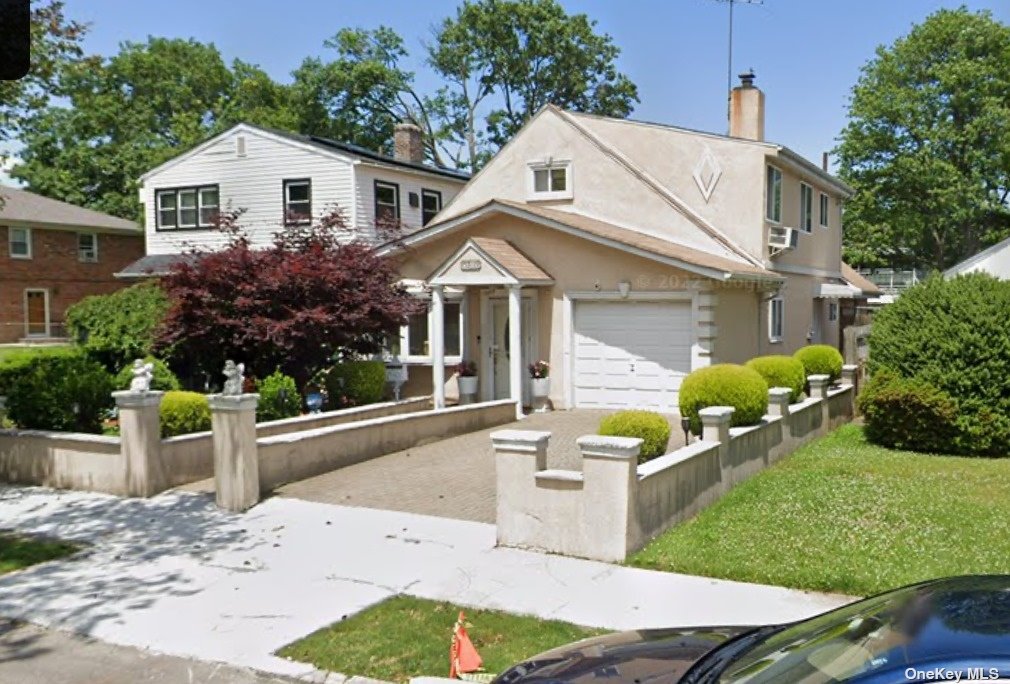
{"points": [[729, 65]]}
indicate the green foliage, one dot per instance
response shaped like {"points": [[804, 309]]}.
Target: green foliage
{"points": [[61, 392], [279, 397], [652, 428], [355, 383], [15, 360], [908, 414], [163, 379], [183, 413], [780, 370], [820, 359], [952, 334], [115, 329], [926, 145], [724, 384]]}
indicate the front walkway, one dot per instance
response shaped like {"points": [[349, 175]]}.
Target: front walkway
{"points": [[175, 575], [451, 478]]}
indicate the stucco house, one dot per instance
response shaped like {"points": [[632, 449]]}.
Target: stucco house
{"points": [[280, 179], [627, 254], [994, 260]]}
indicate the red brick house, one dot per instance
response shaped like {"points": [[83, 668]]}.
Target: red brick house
{"points": [[52, 254]]}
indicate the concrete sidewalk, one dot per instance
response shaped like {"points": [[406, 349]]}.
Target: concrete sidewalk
{"points": [[178, 576]]}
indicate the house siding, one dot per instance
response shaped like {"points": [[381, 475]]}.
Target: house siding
{"points": [[410, 217]]}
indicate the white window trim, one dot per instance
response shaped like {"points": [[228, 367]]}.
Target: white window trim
{"points": [[93, 259], [768, 205], [426, 359], [825, 210], [772, 337], [28, 242], [804, 225], [549, 166]]}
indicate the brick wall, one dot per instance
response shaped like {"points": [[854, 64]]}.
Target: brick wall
{"points": [[54, 266]]}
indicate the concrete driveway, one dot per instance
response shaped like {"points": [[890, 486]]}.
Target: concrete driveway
{"points": [[450, 478]]}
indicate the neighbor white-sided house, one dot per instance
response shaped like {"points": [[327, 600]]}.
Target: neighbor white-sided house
{"points": [[994, 260], [626, 254], [281, 179]]}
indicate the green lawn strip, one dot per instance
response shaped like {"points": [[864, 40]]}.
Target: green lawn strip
{"points": [[16, 353], [404, 637], [843, 515], [18, 551]]}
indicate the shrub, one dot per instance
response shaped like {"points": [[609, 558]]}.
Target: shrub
{"points": [[908, 414], [13, 363], [652, 428], [820, 359], [183, 413], [61, 392], [952, 334], [355, 383], [279, 397], [163, 379], [724, 384], [779, 370], [117, 328]]}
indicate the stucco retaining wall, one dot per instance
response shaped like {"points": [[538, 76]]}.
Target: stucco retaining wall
{"points": [[64, 460]]}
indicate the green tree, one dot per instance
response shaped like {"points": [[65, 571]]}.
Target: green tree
{"points": [[135, 110], [927, 146]]}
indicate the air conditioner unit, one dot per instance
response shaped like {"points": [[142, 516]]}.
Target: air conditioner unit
{"points": [[781, 239]]}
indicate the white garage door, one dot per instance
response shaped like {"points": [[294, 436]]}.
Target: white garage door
{"points": [[631, 354]]}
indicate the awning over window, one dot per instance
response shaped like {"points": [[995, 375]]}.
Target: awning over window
{"points": [[838, 291]]}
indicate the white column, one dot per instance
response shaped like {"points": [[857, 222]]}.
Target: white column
{"points": [[516, 347], [437, 337]]}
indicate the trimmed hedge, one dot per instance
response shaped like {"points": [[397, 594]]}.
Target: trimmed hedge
{"points": [[908, 414], [820, 359], [724, 384], [952, 334], [652, 428], [355, 383], [14, 363], [163, 379], [67, 393], [183, 413], [279, 397], [780, 370]]}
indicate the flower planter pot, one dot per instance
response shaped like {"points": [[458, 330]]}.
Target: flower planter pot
{"points": [[540, 391], [467, 389]]}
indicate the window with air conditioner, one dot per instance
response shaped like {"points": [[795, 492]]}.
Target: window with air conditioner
{"points": [[773, 195], [775, 319], [806, 208]]}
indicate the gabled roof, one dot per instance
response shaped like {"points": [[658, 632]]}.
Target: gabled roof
{"points": [[324, 144], [854, 278], [27, 207], [506, 263], [968, 264], [601, 232]]}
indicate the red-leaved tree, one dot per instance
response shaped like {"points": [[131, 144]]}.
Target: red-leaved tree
{"points": [[315, 293]]}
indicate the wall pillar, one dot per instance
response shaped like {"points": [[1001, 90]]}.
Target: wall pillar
{"points": [[818, 386], [140, 442], [437, 337], [236, 463], [715, 424], [516, 347], [849, 374], [519, 455], [610, 473], [778, 401]]}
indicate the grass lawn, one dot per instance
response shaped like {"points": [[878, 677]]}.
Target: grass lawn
{"points": [[17, 551], [404, 637], [845, 516]]}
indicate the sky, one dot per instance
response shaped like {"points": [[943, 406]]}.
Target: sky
{"points": [[807, 54]]}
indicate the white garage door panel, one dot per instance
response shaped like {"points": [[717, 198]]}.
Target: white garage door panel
{"points": [[631, 354]]}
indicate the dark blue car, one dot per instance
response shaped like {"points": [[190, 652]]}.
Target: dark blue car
{"points": [[955, 629]]}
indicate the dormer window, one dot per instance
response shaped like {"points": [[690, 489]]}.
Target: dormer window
{"points": [[550, 180]]}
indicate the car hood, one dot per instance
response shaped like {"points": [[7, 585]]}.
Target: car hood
{"points": [[647, 656]]}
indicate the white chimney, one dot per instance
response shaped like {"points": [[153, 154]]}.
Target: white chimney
{"points": [[747, 110]]}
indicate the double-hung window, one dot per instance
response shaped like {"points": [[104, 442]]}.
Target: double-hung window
{"points": [[19, 243], [832, 311], [87, 247], [415, 337], [775, 319], [187, 208], [297, 201], [773, 195], [825, 205], [806, 207], [387, 202], [431, 204]]}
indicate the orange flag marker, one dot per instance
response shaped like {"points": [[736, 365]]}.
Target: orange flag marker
{"points": [[463, 657]]}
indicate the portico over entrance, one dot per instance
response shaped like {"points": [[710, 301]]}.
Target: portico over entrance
{"points": [[493, 265]]}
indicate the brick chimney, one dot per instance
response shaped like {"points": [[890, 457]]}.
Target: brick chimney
{"points": [[747, 110], [407, 142]]}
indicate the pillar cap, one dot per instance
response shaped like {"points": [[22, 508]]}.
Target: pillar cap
{"points": [[519, 440], [716, 415], [780, 393], [131, 399], [850, 367], [600, 446], [818, 379], [233, 402]]}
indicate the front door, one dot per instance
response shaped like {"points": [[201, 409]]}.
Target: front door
{"points": [[36, 309], [498, 347]]}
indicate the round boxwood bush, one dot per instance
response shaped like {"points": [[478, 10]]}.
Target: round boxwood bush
{"points": [[279, 397], [908, 414], [355, 383], [820, 359], [779, 370], [724, 384], [163, 379], [61, 392], [652, 428], [183, 413]]}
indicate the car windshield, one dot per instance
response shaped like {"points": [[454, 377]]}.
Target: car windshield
{"points": [[855, 639]]}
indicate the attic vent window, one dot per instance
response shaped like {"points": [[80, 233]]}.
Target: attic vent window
{"points": [[240, 146], [550, 180]]}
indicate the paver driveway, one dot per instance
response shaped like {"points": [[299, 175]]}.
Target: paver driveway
{"points": [[450, 478]]}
